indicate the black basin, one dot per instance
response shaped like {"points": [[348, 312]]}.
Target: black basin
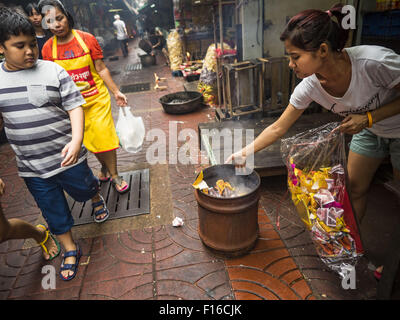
{"points": [[191, 100]]}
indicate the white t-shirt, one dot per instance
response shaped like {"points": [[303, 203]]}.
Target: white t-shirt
{"points": [[120, 26], [375, 72]]}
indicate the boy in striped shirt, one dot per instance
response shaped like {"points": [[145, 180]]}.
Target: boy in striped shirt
{"points": [[41, 109]]}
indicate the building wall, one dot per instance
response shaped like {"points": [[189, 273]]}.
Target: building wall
{"points": [[365, 5], [276, 15]]}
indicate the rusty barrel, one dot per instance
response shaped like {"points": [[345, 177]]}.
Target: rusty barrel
{"points": [[229, 226]]}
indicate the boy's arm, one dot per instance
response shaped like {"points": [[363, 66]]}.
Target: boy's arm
{"points": [[70, 153], [1, 122]]}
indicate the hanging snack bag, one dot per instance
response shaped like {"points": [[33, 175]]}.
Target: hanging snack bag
{"points": [[174, 43], [316, 163]]}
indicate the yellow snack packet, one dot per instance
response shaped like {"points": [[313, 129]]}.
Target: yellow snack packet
{"points": [[199, 183], [341, 225]]}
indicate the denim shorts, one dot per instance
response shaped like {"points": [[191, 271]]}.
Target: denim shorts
{"points": [[370, 145], [78, 181]]}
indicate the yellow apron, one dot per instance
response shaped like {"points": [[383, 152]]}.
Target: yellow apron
{"points": [[100, 134]]}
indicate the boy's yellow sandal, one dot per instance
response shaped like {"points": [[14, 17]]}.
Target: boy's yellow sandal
{"points": [[45, 239]]}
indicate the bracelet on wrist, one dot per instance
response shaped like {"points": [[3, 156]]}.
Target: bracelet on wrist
{"points": [[370, 122]]}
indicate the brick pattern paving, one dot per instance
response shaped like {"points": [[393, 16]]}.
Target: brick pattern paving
{"points": [[163, 262], [325, 283], [268, 271]]}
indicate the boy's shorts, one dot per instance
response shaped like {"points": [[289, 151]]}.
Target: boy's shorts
{"points": [[370, 145], [78, 181]]}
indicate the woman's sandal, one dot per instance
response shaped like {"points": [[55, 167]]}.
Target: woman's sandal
{"points": [[105, 178], [100, 211], [72, 267], [118, 181], [45, 240], [378, 274]]}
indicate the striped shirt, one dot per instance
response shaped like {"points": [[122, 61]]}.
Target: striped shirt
{"points": [[34, 104]]}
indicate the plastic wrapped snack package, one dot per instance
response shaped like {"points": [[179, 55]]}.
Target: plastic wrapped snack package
{"points": [[316, 162], [174, 43]]}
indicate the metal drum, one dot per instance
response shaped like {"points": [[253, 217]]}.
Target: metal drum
{"points": [[229, 226]]}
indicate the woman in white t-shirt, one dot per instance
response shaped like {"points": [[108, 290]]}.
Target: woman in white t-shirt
{"points": [[361, 83]]}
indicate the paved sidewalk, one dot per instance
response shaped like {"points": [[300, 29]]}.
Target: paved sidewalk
{"points": [[160, 262]]}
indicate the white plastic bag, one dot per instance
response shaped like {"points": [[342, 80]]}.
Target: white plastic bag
{"points": [[130, 130]]}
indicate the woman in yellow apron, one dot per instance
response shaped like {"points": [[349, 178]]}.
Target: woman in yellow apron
{"points": [[68, 49]]}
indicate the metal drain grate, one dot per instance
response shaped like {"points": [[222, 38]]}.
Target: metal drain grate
{"points": [[133, 203], [137, 87], [133, 67]]}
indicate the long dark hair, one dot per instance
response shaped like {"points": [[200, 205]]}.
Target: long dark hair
{"points": [[58, 4], [310, 28], [29, 12], [30, 7]]}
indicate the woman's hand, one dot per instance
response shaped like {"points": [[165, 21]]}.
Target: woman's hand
{"points": [[70, 153], [2, 187], [121, 99], [354, 123], [238, 159]]}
